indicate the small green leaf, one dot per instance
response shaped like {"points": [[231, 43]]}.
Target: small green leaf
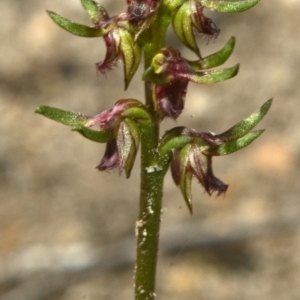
{"points": [[65, 117], [74, 28], [233, 146], [243, 127], [215, 75], [183, 26], [131, 55], [95, 11], [94, 135], [216, 59], [225, 6]]}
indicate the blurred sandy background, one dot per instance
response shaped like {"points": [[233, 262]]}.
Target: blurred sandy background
{"points": [[67, 231]]}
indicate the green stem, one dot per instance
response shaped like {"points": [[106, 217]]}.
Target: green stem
{"points": [[152, 176], [151, 193], [148, 223]]}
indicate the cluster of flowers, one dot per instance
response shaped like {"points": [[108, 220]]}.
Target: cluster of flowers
{"points": [[187, 151]]}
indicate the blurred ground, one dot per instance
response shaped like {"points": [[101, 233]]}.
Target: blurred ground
{"points": [[67, 231]]}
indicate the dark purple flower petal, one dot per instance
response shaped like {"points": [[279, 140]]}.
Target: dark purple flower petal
{"points": [[190, 161], [139, 10], [198, 166], [215, 184], [203, 24], [110, 159], [113, 53], [171, 97], [201, 166]]}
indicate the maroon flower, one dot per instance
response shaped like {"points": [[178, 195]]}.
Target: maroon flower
{"points": [[171, 73], [120, 45], [120, 122], [190, 162], [118, 32], [190, 152], [189, 20]]}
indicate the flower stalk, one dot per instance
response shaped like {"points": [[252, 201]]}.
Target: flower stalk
{"points": [[132, 123]]}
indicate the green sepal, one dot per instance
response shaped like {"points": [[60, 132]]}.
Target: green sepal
{"points": [[141, 28], [183, 26], [174, 143], [224, 6], [175, 139], [136, 138], [216, 59], [186, 189], [131, 54], [62, 116], [233, 146], [128, 139], [139, 114], [74, 28], [150, 75], [134, 131], [243, 127], [215, 75], [156, 72], [94, 135], [185, 182], [172, 5], [77, 121], [95, 10]]}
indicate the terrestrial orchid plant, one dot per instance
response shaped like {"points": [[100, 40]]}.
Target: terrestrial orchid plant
{"points": [[131, 123]]}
